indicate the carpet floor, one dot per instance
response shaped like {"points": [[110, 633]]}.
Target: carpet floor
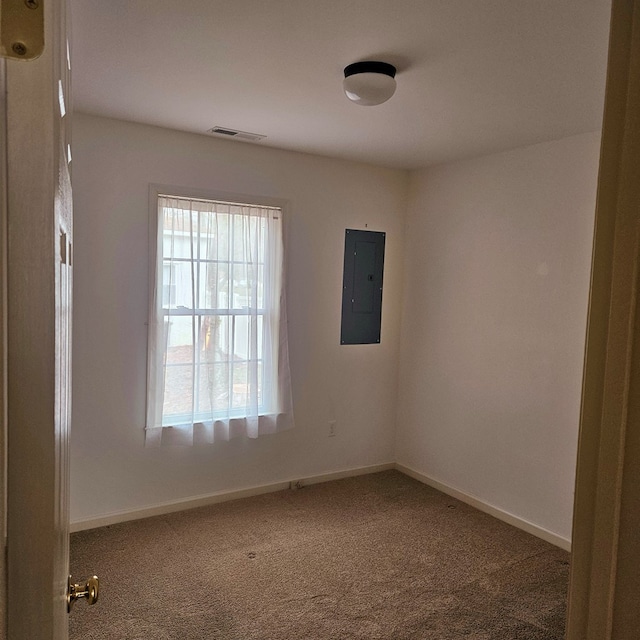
{"points": [[373, 557]]}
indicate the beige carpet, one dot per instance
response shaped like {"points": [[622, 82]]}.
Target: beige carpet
{"points": [[372, 557]]}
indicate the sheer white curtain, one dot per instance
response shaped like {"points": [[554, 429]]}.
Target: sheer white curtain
{"points": [[218, 364]]}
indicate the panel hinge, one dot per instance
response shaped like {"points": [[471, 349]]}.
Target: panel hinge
{"points": [[21, 29]]}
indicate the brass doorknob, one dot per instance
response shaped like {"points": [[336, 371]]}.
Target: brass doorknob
{"points": [[89, 590]]}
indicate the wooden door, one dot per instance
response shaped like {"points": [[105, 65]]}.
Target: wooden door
{"points": [[39, 249]]}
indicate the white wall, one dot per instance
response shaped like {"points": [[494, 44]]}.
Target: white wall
{"points": [[495, 273], [495, 298], [113, 164]]}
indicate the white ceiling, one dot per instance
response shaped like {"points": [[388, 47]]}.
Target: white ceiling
{"points": [[474, 76]]}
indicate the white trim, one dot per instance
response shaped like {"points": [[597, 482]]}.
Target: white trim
{"points": [[480, 505], [215, 195], [220, 496], [347, 473], [164, 508]]}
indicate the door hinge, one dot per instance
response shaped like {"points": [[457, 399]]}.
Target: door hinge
{"points": [[63, 247], [21, 29]]}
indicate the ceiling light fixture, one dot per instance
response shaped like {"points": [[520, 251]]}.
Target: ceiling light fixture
{"points": [[369, 83]]}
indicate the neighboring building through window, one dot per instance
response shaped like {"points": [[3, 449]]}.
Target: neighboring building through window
{"points": [[215, 352]]}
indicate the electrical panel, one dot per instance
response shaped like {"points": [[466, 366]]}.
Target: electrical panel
{"points": [[362, 287]]}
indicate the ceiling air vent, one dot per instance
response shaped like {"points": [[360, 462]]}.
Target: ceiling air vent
{"points": [[234, 133]]}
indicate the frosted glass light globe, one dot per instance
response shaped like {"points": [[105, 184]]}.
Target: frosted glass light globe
{"points": [[369, 83]]}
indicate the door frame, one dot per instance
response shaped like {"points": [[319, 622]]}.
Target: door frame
{"points": [[604, 587], [3, 356]]}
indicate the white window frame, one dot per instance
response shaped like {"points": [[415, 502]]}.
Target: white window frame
{"points": [[156, 247]]}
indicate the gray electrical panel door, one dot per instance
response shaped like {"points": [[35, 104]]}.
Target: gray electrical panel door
{"points": [[362, 286]]}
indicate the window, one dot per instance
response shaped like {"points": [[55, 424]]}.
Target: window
{"points": [[218, 359]]}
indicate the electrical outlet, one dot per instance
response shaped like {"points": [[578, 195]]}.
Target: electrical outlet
{"points": [[332, 428]]}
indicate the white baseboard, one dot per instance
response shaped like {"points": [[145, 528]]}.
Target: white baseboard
{"points": [[347, 473], [479, 504], [224, 496], [220, 496]]}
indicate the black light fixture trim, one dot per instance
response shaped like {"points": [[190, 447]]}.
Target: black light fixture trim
{"points": [[370, 66]]}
